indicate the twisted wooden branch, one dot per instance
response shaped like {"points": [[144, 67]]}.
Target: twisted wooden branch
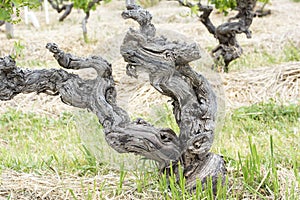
{"points": [[166, 62], [84, 22], [228, 48], [66, 7], [97, 95], [194, 101]]}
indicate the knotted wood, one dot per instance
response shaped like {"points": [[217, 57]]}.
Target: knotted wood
{"points": [[166, 62], [194, 102], [228, 48]]}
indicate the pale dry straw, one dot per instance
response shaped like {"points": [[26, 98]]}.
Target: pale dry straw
{"points": [[280, 83]]}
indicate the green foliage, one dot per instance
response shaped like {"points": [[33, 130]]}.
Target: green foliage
{"points": [[85, 4], [82, 4], [10, 7], [224, 5]]}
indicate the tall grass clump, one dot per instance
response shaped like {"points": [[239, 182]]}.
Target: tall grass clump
{"points": [[260, 144]]}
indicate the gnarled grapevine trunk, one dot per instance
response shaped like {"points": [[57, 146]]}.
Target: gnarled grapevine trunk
{"points": [[194, 101], [228, 48], [166, 62]]}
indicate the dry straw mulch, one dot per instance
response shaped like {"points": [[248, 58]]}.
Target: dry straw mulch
{"points": [[32, 186], [280, 83], [28, 186]]}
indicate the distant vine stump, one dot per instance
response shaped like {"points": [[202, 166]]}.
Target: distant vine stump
{"points": [[228, 48], [166, 62]]}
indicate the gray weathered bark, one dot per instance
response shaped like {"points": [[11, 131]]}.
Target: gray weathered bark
{"points": [[166, 62], [228, 48], [193, 99], [66, 7]]}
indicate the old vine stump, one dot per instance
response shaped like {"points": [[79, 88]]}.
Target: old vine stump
{"points": [[166, 62]]}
